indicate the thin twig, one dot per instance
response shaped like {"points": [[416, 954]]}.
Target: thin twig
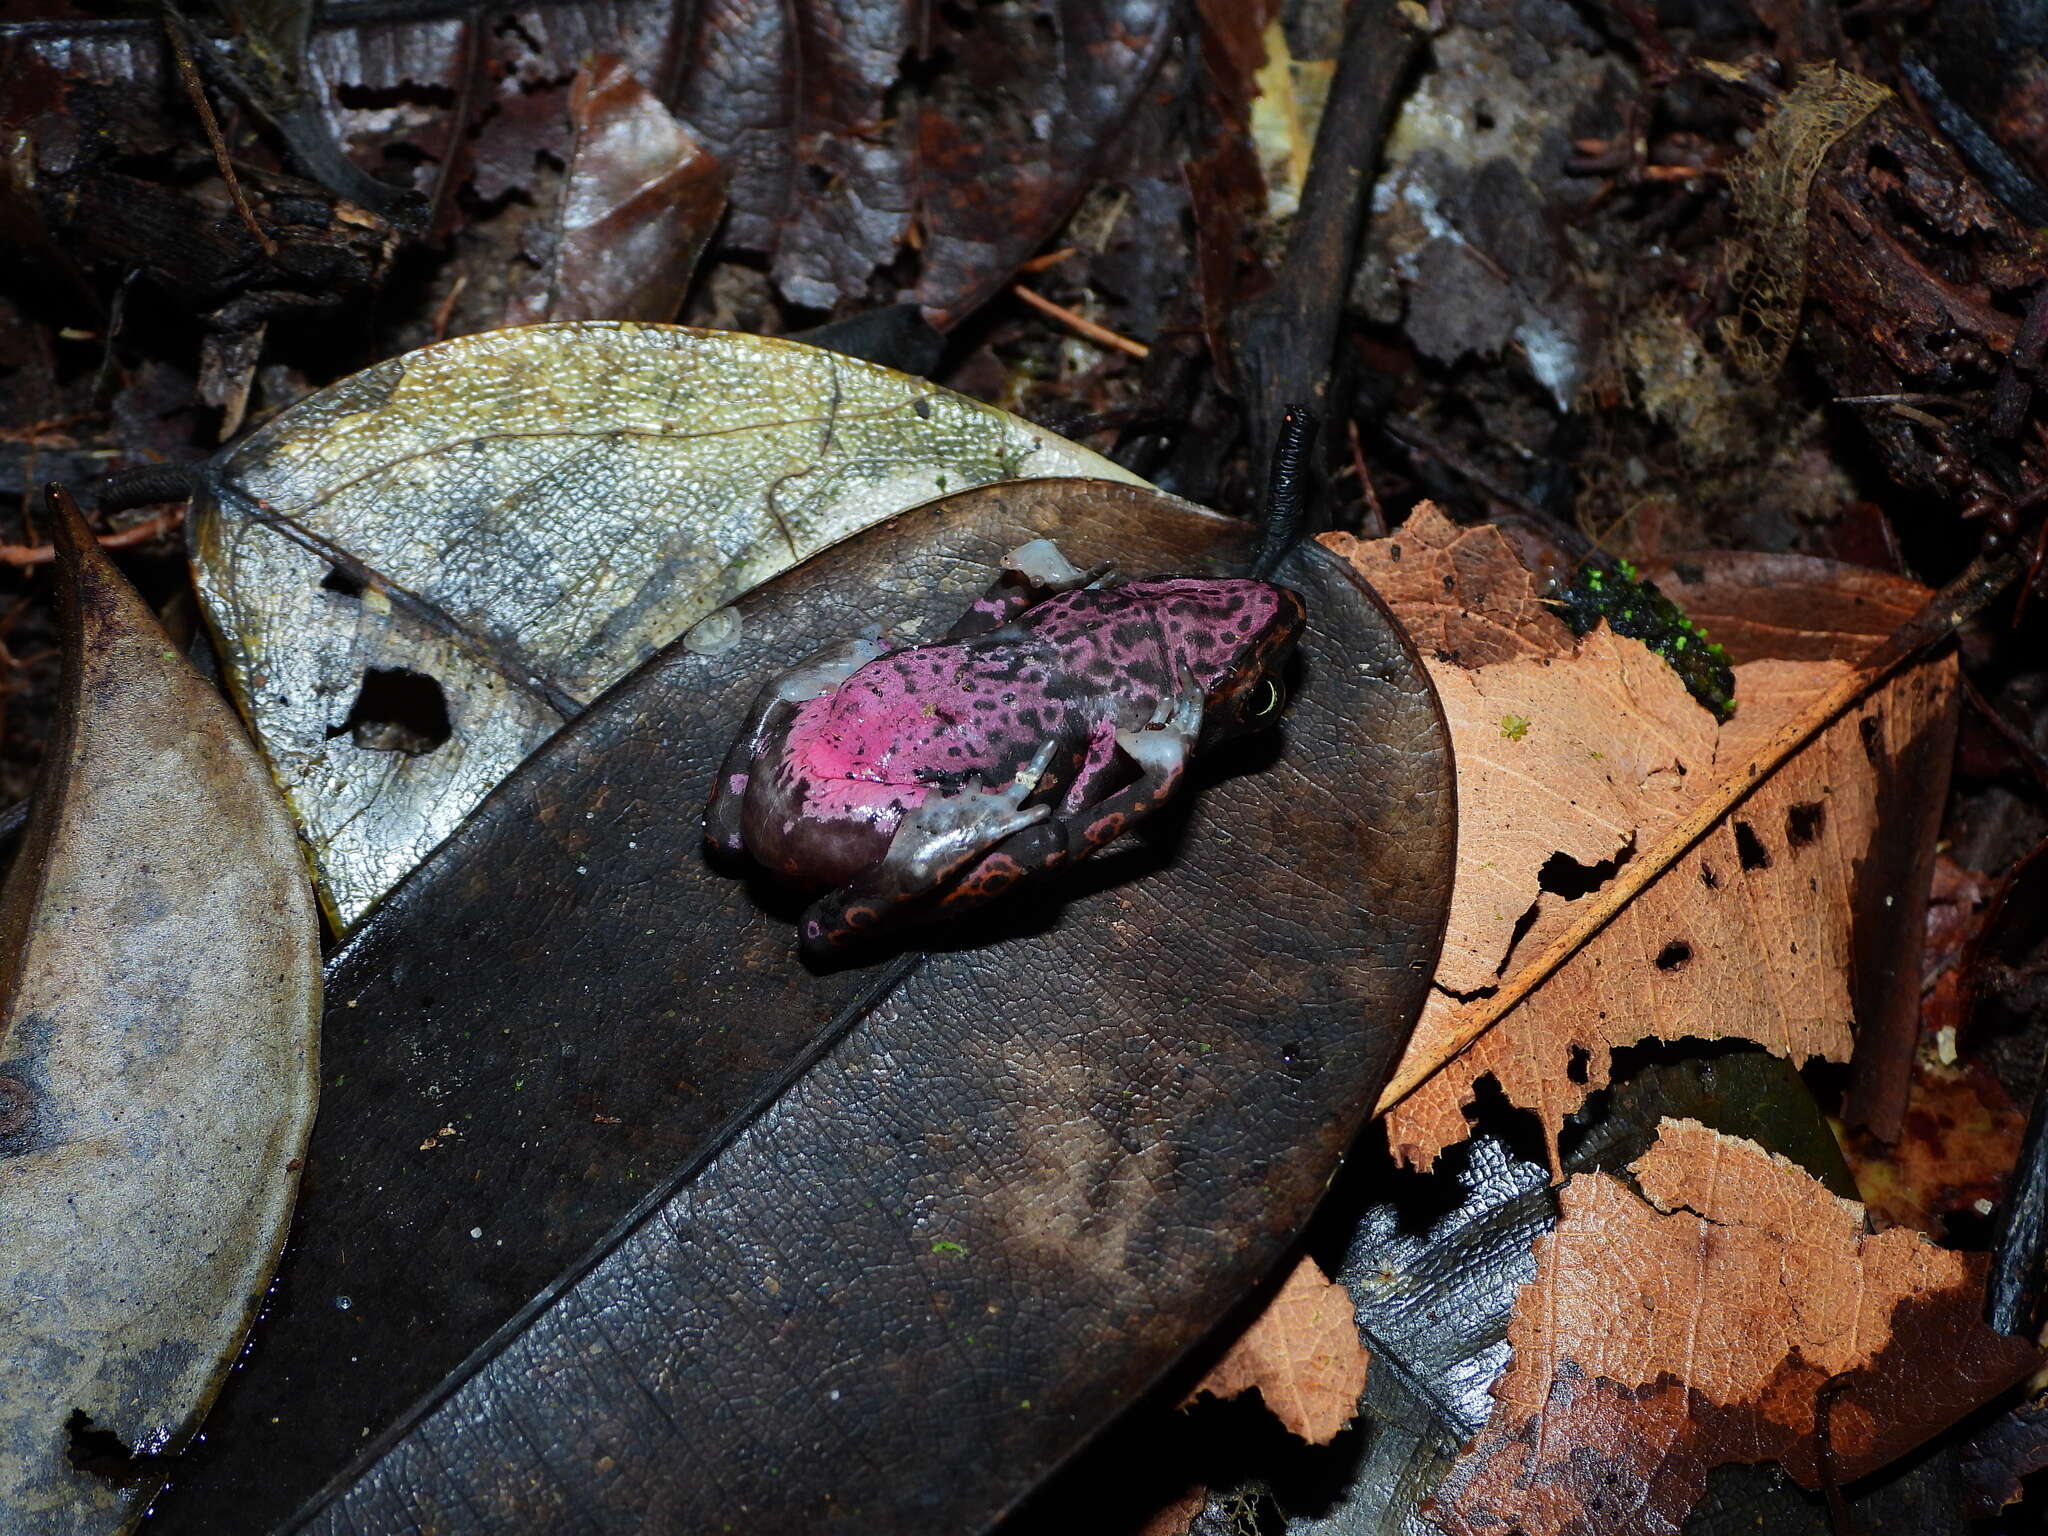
{"points": [[139, 533], [2022, 747], [1048, 261], [1102, 335], [1413, 437], [188, 72], [445, 310], [1955, 603], [1375, 526]]}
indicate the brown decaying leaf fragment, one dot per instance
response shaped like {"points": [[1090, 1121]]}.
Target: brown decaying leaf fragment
{"points": [[1594, 751], [1699, 1327], [1008, 137], [1462, 592], [159, 999], [639, 202], [1301, 1354]]}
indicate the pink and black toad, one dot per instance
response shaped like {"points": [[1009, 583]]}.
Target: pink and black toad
{"points": [[912, 783]]}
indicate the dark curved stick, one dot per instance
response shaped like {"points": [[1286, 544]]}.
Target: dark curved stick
{"points": [[2012, 1288], [1284, 339]]}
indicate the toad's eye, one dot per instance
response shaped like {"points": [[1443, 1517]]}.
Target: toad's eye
{"points": [[1267, 699]]}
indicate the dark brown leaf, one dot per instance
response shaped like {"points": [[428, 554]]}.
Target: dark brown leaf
{"points": [[2008, 1450], [849, 130], [1761, 606], [947, 1211], [1007, 139]]}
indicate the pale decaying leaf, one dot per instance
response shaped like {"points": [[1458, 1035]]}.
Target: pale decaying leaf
{"points": [[1302, 1354], [1738, 1313], [1590, 751], [420, 572], [158, 1056]]}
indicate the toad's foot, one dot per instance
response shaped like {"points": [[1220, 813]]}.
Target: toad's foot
{"points": [[819, 674], [1031, 573], [937, 838], [1043, 565], [1170, 735]]}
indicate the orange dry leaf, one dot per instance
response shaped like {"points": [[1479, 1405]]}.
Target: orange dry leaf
{"points": [[1960, 1145], [1302, 1354], [1593, 750], [1724, 1319]]}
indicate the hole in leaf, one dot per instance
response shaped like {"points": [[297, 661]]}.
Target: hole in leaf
{"points": [[1750, 848], [1673, 955], [1708, 878], [1563, 875], [1803, 823], [1580, 1068], [397, 710], [338, 580], [104, 1454]]}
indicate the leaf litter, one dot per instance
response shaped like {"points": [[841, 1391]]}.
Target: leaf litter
{"points": [[159, 1009], [1756, 933], [1734, 1311], [615, 1025], [1301, 1354]]}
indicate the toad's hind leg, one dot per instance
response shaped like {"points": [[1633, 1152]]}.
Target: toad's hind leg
{"points": [[1160, 750], [1031, 573], [933, 843], [811, 678]]}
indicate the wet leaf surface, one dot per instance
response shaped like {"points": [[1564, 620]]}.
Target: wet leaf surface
{"points": [[158, 1054], [419, 573], [640, 198], [899, 1219]]}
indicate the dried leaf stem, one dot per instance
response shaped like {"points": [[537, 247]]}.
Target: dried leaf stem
{"points": [[1939, 618], [188, 76], [139, 533], [1081, 324]]}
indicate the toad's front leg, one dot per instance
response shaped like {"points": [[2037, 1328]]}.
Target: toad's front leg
{"points": [[812, 678], [933, 843]]}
